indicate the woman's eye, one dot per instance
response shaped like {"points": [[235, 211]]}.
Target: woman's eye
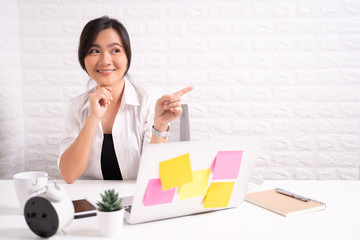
{"points": [[93, 51], [116, 50]]}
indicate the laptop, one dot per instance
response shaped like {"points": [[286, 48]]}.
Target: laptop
{"points": [[183, 178]]}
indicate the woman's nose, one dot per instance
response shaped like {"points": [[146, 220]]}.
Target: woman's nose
{"points": [[105, 58]]}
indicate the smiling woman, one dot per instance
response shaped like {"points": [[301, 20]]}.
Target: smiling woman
{"points": [[89, 42], [106, 61], [107, 127]]}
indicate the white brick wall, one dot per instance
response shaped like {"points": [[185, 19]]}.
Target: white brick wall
{"points": [[285, 69], [11, 100]]}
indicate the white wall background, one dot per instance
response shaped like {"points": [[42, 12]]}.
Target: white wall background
{"points": [[285, 69], [11, 97]]}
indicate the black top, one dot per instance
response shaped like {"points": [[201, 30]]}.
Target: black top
{"points": [[109, 164]]}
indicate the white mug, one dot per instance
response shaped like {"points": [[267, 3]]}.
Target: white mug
{"points": [[28, 183]]}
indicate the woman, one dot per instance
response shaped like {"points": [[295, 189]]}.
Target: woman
{"points": [[107, 127]]}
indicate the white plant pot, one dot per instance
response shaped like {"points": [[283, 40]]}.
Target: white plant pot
{"points": [[111, 223]]}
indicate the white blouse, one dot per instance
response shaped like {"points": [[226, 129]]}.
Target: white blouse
{"points": [[131, 130]]}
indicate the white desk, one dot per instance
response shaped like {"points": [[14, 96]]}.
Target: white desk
{"points": [[340, 220]]}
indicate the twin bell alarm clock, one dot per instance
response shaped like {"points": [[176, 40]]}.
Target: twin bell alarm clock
{"points": [[48, 212]]}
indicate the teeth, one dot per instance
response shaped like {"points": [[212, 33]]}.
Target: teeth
{"points": [[105, 71]]}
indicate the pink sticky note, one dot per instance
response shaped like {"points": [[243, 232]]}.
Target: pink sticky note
{"points": [[227, 164], [155, 195]]}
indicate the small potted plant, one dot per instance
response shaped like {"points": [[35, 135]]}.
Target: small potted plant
{"points": [[110, 214]]}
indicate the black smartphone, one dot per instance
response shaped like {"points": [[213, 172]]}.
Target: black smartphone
{"points": [[83, 208]]}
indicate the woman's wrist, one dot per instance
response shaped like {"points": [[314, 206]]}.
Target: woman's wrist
{"points": [[158, 134], [92, 120], [161, 127]]}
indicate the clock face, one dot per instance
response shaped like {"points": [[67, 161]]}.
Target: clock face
{"points": [[41, 217]]}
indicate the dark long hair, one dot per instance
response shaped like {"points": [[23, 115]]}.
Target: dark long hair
{"points": [[93, 28]]}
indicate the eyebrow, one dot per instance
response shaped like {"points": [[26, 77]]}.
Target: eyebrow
{"points": [[110, 45]]}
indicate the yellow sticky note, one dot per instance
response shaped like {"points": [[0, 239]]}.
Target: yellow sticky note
{"points": [[218, 195], [197, 187], [175, 172]]}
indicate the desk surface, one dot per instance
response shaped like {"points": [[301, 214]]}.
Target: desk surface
{"points": [[340, 220]]}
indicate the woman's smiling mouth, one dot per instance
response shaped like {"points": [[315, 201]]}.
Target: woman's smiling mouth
{"points": [[105, 70]]}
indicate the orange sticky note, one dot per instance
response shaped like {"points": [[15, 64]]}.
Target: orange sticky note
{"points": [[175, 172], [198, 187], [218, 194]]}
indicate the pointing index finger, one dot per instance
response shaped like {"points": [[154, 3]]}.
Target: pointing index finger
{"points": [[183, 91]]}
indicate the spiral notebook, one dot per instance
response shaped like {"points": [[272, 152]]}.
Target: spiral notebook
{"points": [[283, 204]]}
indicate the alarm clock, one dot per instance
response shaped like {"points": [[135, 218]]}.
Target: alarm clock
{"points": [[48, 212]]}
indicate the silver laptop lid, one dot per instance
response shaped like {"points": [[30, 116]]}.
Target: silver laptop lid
{"points": [[214, 161]]}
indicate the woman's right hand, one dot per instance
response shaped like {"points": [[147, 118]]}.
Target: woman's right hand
{"points": [[100, 99]]}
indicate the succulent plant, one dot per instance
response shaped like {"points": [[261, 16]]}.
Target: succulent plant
{"points": [[110, 201]]}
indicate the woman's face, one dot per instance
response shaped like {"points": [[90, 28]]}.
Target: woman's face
{"points": [[106, 60]]}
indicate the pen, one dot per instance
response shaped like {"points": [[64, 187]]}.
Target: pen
{"points": [[290, 194]]}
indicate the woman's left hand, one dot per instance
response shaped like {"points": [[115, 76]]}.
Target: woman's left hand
{"points": [[168, 108]]}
